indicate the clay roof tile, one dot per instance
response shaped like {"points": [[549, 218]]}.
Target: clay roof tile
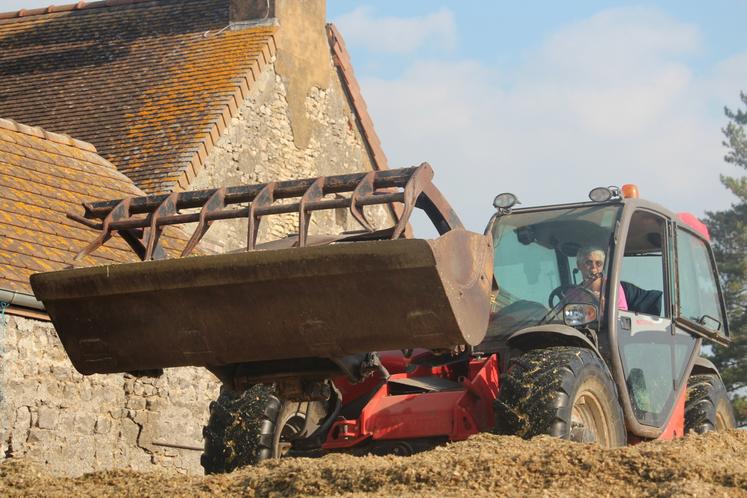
{"points": [[44, 175], [145, 81]]}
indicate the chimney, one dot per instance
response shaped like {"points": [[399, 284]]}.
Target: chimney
{"points": [[250, 12], [302, 55]]}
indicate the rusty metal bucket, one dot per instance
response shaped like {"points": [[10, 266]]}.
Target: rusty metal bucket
{"points": [[308, 302]]}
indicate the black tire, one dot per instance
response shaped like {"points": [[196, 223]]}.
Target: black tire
{"points": [[707, 407], [240, 429], [245, 429], [562, 391]]}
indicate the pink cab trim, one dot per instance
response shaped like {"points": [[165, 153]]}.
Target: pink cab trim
{"points": [[693, 222]]}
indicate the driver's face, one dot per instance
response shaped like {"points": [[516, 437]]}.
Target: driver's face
{"points": [[591, 264]]}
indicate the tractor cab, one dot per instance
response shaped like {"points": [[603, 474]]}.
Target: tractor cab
{"points": [[618, 274]]}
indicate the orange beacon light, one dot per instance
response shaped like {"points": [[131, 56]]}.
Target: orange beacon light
{"points": [[629, 191]]}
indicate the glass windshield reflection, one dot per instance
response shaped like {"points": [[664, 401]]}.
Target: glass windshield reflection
{"points": [[546, 259]]}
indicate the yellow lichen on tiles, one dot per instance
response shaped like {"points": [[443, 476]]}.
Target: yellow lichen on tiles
{"points": [[41, 181], [113, 74], [195, 76]]}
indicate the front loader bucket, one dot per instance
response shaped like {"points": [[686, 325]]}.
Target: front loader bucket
{"points": [[324, 302]]}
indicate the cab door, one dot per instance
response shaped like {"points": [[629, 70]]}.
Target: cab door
{"points": [[700, 308], [652, 353]]}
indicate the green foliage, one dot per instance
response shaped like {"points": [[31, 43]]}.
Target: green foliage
{"points": [[740, 409], [729, 237]]}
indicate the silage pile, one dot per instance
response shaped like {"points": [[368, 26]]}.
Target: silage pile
{"points": [[711, 465]]}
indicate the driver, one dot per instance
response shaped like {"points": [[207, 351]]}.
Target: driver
{"points": [[590, 262]]}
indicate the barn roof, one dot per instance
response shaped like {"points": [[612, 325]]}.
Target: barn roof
{"points": [[151, 84], [43, 176]]}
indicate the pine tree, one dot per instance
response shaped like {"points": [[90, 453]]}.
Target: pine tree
{"points": [[729, 238]]}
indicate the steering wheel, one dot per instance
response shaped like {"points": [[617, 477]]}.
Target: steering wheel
{"points": [[558, 292], [562, 295]]}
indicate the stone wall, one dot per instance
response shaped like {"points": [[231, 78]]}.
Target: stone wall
{"points": [[258, 147], [73, 424]]}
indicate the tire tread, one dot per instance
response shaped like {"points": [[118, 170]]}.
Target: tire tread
{"points": [[239, 430], [706, 394], [537, 391]]}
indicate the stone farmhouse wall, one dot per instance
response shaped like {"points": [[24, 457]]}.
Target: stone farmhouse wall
{"points": [[258, 147], [74, 424]]}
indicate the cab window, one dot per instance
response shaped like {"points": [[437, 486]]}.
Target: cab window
{"points": [[642, 277], [699, 301]]}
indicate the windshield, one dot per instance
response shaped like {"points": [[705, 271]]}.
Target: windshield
{"points": [[544, 259]]}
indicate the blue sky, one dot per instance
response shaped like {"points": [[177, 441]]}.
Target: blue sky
{"points": [[499, 32], [549, 99]]}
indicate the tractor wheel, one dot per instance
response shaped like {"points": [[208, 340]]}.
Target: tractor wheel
{"points": [[707, 407], [245, 429], [565, 392], [240, 429], [296, 420]]}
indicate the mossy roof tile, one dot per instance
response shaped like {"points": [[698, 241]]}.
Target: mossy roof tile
{"points": [[137, 79], [42, 177]]}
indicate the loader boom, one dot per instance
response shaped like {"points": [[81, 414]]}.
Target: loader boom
{"points": [[288, 300]]}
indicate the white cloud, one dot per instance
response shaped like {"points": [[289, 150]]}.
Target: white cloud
{"points": [[620, 36], [604, 101], [728, 78], [397, 35]]}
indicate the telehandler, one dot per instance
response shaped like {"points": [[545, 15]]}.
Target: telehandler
{"points": [[371, 342]]}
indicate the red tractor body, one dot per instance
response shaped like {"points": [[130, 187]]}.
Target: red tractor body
{"points": [[445, 403]]}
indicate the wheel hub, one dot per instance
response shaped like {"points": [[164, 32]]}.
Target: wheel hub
{"points": [[588, 420], [291, 429]]}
